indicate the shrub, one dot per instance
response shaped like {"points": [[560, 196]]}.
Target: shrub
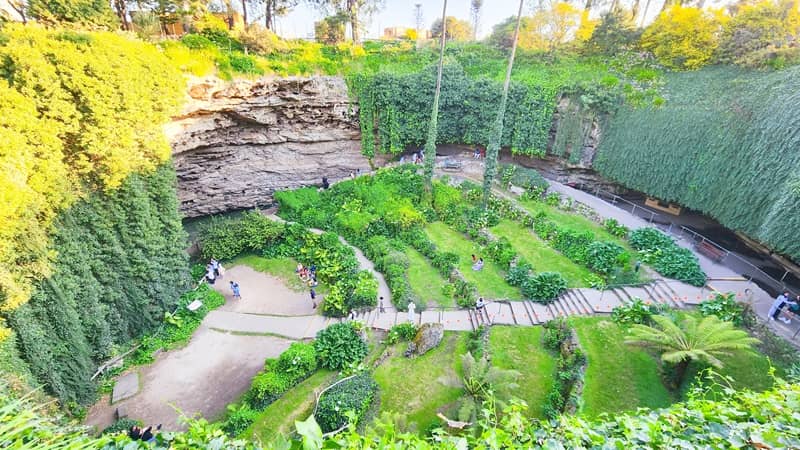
{"points": [[258, 39], [552, 199], [238, 419], [649, 240], [402, 332], [465, 293], [603, 257], [725, 307], [242, 63], [354, 394], [667, 258], [222, 39], [573, 244], [196, 42], [544, 287], [501, 252], [338, 346], [519, 273], [365, 292], [225, 238], [297, 362], [445, 262], [636, 312], [555, 333], [120, 425], [615, 228], [266, 388]]}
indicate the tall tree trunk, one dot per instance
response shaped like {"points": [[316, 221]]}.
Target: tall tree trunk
{"points": [[635, 10], [244, 12], [430, 142], [587, 6], [121, 8], [644, 14], [352, 14], [497, 130], [268, 8]]}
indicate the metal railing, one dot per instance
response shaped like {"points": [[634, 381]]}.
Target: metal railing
{"points": [[616, 200]]}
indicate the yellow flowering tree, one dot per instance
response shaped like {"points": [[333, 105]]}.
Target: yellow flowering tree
{"points": [[684, 38]]}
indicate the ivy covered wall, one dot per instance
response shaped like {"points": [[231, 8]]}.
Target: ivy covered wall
{"points": [[395, 109], [726, 143], [120, 265]]}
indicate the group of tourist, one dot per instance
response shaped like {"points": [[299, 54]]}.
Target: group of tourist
{"points": [[477, 263], [479, 153], [309, 276], [416, 157], [214, 270], [782, 302], [136, 433]]}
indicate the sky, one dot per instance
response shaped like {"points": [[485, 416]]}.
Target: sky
{"points": [[400, 13]]}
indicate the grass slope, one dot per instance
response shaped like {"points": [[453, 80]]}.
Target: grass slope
{"points": [[419, 387], [520, 348], [618, 377], [490, 281], [425, 280], [295, 404], [539, 254]]}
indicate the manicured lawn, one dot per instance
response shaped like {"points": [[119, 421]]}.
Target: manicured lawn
{"points": [[282, 268], [490, 281], [539, 254], [425, 280], [573, 221], [420, 387], [296, 404], [619, 377], [520, 348]]}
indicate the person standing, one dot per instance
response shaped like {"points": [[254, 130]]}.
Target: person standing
{"points": [[411, 315], [235, 289], [215, 267], [314, 298], [380, 305], [777, 305], [325, 183]]}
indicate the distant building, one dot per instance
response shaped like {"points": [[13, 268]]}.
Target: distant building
{"points": [[8, 12], [395, 33]]}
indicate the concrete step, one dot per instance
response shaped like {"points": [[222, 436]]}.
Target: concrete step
{"points": [[556, 309], [500, 313], [566, 304], [577, 302], [542, 312], [578, 293], [602, 301], [521, 314], [458, 320]]}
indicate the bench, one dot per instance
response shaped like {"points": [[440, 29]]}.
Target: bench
{"points": [[710, 250], [451, 164]]}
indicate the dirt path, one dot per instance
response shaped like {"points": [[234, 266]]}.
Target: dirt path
{"points": [[217, 366]]}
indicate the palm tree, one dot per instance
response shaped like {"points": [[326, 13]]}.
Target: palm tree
{"points": [[691, 340], [433, 125], [483, 382], [497, 130]]}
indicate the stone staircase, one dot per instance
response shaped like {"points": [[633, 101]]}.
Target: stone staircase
{"points": [[573, 302]]}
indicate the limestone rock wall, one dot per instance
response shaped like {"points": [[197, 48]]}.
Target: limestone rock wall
{"points": [[235, 143]]}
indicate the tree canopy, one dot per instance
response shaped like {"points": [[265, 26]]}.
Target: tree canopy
{"points": [[456, 30]]}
